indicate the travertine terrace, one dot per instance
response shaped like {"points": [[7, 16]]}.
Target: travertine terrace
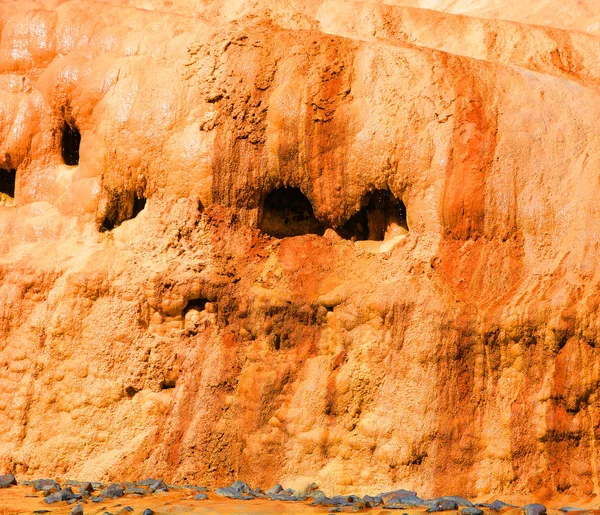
{"points": [[349, 242]]}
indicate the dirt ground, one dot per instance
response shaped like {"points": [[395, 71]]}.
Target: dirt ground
{"points": [[23, 500]]}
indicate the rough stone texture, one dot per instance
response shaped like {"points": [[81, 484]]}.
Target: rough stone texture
{"points": [[46, 485], [7, 480], [183, 342], [534, 509]]}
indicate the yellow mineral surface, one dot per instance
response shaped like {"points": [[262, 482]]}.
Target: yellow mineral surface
{"points": [[349, 242]]}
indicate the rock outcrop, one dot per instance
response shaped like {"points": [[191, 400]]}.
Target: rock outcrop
{"points": [[352, 242]]}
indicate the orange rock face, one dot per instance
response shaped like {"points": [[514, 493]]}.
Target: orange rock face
{"points": [[348, 242]]}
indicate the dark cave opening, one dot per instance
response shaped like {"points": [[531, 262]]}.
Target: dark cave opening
{"points": [[131, 391], [139, 203], [197, 304], [8, 179], [288, 212], [108, 224], [114, 214], [70, 142], [194, 315], [381, 214], [168, 383]]}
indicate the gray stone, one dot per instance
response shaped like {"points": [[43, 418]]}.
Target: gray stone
{"points": [[240, 486], [535, 509], [98, 499], [284, 498], [233, 493], [132, 489], [496, 505], [276, 490], [7, 480], [441, 504], [471, 510], [305, 496], [287, 495], [112, 492], [66, 494], [308, 492], [238, 490], [200, 497], [148, 511], [461, 501], [409, 500], [400, 494], [342, 501], [324, 501], [158, 486], [146, 482], [77, 510], [46, 485], [123, 511], [568, 509], [86, 487], [373, 500]]}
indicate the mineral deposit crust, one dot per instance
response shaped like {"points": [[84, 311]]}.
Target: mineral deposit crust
{"points": [[148, 327]]}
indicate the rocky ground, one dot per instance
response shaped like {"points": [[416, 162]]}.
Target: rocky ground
{"points": [[153, 496]]}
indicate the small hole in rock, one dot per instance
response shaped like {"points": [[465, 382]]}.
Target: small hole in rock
{"points": [[131, 391], [287, 212], [138, 205], [117, 212], [197, 304], [108, 224], [8, 179], [382, 215], [195, 315], [167, 384], [71, 140], [277, 342]]}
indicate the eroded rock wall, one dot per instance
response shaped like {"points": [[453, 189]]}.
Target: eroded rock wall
{"points": [[149, 327]]}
